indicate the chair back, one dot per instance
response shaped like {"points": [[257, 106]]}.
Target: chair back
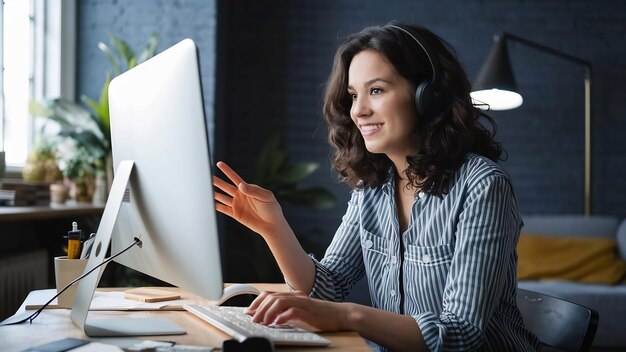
{"points": [[556, 322]]}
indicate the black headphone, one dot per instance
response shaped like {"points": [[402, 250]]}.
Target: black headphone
{"points": [[429, 100]]}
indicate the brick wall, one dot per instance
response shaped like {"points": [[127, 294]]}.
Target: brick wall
{"points": [[280, 56], [273, 60], [134, 21]]}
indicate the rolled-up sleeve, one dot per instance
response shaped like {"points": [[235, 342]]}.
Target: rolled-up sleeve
{"points": [[342, 265]]}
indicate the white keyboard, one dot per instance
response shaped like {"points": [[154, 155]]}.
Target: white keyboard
{"points": [[235, 322]]}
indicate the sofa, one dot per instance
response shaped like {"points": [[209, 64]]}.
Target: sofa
{"points": [[608, 299]]}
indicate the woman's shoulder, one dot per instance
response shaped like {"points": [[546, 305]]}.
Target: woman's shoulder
{"points": [[477, 167]]}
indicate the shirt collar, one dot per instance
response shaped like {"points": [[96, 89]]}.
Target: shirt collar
{"points": [[389, 184]]}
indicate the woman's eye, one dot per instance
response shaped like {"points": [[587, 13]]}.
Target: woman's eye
{"points": [[376, 91], [352, 96]]}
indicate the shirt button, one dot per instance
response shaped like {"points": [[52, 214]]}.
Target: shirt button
{"points": [[421, 195], [425, 259], [393, 259], [393, 293], [369, 244]]}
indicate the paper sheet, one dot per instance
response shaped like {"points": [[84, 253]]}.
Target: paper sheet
{"points": [[113, 300]]}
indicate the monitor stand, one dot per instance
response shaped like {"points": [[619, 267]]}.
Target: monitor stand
{"points": [[87, 286]]}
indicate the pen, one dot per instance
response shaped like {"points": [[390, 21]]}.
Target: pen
{"points": [[74, 242]]}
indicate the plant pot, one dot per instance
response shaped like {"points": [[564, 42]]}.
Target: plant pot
{"points": [[59, 193], [82, 189]]}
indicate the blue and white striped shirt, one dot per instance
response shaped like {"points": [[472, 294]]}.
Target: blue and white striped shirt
{"points": [[453, 270]]}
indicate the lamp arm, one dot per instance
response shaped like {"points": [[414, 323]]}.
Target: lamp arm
{"points": [[587, 173], [540, 47]]}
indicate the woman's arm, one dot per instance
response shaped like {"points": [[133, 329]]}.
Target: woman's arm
{"points": [[397, 332], [258, 209], [394, 331]]}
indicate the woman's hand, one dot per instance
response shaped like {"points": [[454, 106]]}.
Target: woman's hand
{"points": [[298, 309], [251, 205]]}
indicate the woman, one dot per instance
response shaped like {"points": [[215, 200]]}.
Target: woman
{"points": [[432, 221]]}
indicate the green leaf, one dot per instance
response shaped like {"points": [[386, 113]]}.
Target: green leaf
{"points": [[112, 59], [73, 117], [123, 48], [270, 159], [90, 143], [104, 103], [101, 109], [150, 49], [295, 173], [132, 63]]}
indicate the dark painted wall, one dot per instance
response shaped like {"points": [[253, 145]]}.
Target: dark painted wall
{"points": [[134, 21], [272, 61], [278, 58]]}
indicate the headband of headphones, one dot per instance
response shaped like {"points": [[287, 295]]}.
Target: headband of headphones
{"points": [[434, 64], [429, 100]]}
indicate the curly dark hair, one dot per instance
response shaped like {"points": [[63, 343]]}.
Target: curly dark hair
{"points": [[442, 141]]}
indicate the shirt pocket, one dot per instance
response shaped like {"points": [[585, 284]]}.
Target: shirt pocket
{"points": [[375, 257], [428, 256], [425, 271], [375, 248]]}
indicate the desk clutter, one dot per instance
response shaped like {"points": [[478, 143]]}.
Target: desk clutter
{"points": [[20, 193]]}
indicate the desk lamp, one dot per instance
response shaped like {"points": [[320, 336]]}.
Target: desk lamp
{"points": [[496, 89]]}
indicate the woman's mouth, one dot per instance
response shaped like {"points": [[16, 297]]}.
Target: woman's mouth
{"points": [[370, 129]]}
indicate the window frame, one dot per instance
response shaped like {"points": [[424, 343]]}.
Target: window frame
{"points": [[53, 69]]}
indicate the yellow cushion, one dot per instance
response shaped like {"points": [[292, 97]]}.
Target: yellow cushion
{"points": [[585, 259]]}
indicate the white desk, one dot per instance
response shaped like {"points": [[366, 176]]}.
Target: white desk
{"points": [[55, 324]]}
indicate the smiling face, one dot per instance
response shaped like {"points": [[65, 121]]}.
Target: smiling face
{"points": [[382, 106]]}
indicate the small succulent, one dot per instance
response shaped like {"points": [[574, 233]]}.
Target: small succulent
{"points": [[41, 164]]}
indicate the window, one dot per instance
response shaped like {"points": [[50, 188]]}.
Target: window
{"points": [[37, 56]]}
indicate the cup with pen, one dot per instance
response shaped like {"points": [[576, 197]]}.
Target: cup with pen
{"points": [[68, 268]]}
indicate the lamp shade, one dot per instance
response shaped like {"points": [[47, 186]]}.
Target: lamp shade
{"points": [[495, 87]]}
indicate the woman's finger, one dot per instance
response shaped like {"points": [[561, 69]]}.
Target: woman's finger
{"points": [[224, 199], [272, 305], [224, 186], [287, 301], [260, 313], [257, 301], [230, 173], [224, 210]]}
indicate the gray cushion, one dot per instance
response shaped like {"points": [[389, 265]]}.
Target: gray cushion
{"points": [[571, 225]]}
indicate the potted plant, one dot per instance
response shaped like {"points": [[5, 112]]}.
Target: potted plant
{"points": [[80, 171], [89, 125], [41, 164]]}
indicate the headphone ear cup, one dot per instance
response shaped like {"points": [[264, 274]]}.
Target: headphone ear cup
{"points": [[424, 99]]}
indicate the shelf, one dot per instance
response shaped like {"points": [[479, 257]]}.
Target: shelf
{"points": [[18, 213]]}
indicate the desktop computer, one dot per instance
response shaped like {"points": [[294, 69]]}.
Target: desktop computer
{"points": [[162, 198], [162, 190]]}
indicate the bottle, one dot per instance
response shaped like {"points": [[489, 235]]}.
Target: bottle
{"points": [[74, 238]]}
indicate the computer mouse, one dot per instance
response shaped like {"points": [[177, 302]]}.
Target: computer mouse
{"points": [[238, 295]]}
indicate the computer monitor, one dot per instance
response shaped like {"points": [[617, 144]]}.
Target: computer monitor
{"points": [[162, 190]]}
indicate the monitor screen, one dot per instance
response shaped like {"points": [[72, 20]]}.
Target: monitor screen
{"points": [[159, 141], [157, 120]]}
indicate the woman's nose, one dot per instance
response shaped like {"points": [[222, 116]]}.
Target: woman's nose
{"points": [[361, 107]]}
